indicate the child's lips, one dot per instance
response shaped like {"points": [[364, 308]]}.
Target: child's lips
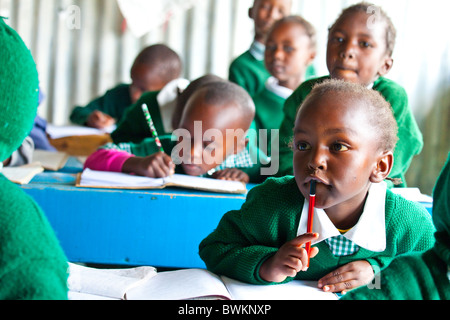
{"points": [[318, 180]]}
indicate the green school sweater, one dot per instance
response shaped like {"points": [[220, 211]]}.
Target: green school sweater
{"points": [[419, 276], [269, 114], [113, 102], [410, 141], [248, 72], [251, 73], [32, 263], [269, 218], [134, 127]]}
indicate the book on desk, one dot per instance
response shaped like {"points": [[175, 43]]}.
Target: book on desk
{"points": [[145, 283], [116, 180]]}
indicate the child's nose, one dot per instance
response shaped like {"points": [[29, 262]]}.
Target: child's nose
{"points": [[348, 51], [318, 160]]}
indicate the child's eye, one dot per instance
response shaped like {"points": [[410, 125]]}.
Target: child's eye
{"points": [[365, 44], [339, 147], [303, 146], [288, 49]]}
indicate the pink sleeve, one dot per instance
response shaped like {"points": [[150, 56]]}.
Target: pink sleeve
{"points": [[107, 160]]}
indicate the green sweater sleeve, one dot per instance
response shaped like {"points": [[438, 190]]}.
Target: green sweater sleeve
{"points": [[32, 263], [113, 102], [245, 238], [410, 140]]}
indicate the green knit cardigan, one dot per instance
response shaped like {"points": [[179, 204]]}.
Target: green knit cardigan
{"points": [[245, 238]]}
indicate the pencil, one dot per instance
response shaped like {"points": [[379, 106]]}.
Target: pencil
{"points": [[148, 117], [312, 200]]}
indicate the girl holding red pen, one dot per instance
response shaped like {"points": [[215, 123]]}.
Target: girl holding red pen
{"points": [[344, 137]]}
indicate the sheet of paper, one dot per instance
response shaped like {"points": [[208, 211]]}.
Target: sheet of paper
{"points": [[117, 179], [294, 290], [23, 174], [57, 132], [50, 160], [204, 183], [184, 284], [112, 283]]}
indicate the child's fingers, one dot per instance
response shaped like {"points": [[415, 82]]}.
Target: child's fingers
{"points": [[304, 238]]}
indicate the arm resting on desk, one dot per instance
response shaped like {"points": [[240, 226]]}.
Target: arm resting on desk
{"points": [[107, 160]]}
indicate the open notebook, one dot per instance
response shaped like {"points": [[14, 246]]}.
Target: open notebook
{"points": [[115, 180], [145, 283]]}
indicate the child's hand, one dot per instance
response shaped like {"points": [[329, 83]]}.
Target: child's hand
{"points": [[231, 174], [290, 259], [349, 276], [158, 165], [99, 120]]}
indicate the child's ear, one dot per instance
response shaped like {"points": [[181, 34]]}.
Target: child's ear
{"points": [[386, 66], [383, 167]]}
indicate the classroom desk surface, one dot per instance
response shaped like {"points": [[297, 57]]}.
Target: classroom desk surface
{"points": [[129, 227]]}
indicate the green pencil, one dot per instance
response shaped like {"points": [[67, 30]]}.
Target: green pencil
{"points": [[152, 127]]}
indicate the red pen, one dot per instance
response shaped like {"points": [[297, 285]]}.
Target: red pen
{"points": [[312, 200]]}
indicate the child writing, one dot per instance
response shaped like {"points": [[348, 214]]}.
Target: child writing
{"points": [[211, 140], [290, 49], [32, 264], [419, 276], [152, 70], [360, 50], [343, 140]]}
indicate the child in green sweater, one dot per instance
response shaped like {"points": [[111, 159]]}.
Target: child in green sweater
{"points": [[32, 264], [248, 70], [343, 140], [290, 49], [360, 48], [210, 140], [421, 275], [152, 70]]}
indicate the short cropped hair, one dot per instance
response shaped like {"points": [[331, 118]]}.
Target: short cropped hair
{"points": [[381, 114], [309, 28], [165, 62], [221, 93], [391, 32]]}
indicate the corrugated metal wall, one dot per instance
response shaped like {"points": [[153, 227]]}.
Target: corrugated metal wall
{"points": [[78, 62]]}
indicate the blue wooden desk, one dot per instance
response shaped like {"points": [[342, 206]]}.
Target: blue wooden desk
{"points": [[129, 227]]}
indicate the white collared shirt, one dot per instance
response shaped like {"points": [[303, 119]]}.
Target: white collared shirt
{"points": [[272, 84], [257, 50], [369, 232], [167, 101]]}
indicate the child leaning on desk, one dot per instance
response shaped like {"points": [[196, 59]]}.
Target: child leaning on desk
{"points": [[211, 141], [152, 70], [343, 139], [359, 50], [290, 49]]}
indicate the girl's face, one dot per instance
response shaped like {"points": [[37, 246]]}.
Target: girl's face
{"points": [[288, 54], [356, 50], [334, 145]]}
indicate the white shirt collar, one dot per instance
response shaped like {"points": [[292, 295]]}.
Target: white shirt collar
{"points": [[273, 86], [370, 231], [1, 166], [257, 50], [167, 100]]}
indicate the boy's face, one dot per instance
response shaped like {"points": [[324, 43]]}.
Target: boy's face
{"points": [[334, 145], [356, 52], [288, 54], [265, 13], [143, 80], [206, 129]]}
